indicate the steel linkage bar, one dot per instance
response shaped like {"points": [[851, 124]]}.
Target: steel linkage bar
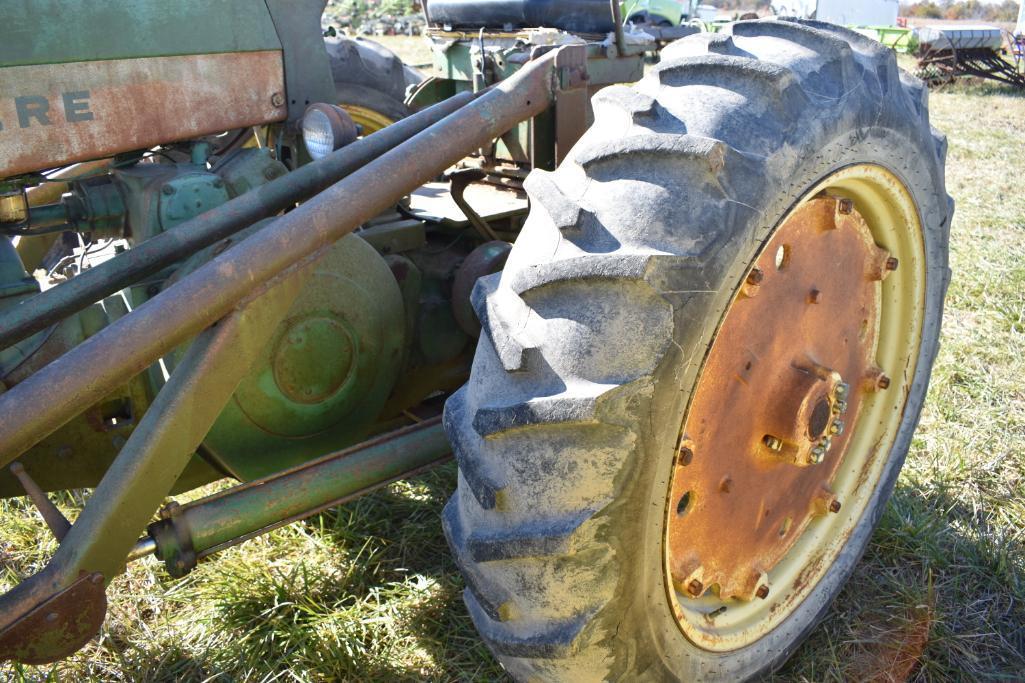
{"points": [[150, 257], [51, 397], [190, 532]]}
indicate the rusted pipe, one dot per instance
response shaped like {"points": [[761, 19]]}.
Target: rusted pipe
{"points": [[51, 397], [46, 308]]}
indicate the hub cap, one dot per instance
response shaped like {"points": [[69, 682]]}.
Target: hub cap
{"points": [[773, 468]]}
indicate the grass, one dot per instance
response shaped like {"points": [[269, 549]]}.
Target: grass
{"points": [[368, 592]]}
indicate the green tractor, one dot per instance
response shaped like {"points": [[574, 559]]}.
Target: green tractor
{"points": [[676, 322]]}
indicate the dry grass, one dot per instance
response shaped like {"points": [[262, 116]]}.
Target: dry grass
{"points": [[368, 592]]}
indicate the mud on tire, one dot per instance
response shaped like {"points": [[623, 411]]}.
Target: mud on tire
{"points": [[596, 331]]}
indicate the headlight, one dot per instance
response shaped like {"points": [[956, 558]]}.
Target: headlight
{"points": [[327, 127]]}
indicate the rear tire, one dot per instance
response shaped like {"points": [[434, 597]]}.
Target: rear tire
{"points": [[594, 336], [370, 80]]}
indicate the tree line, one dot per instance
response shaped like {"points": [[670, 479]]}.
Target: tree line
{"points": [[961, 9]]}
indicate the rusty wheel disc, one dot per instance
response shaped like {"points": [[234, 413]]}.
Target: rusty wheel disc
{"points": [[796, 408]]}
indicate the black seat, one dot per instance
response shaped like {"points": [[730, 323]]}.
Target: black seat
{"points": [[575, 16]]}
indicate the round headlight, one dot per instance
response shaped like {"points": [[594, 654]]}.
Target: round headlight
{"points": [[326, 127]]}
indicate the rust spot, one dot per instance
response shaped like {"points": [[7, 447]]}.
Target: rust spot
{"points": [[135, 104]]}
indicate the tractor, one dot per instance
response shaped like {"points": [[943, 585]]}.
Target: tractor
{"points": [[675, 321]]}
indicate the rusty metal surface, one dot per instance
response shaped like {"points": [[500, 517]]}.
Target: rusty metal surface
{"points": [[767, 429], [59, 626], [87, 110]]}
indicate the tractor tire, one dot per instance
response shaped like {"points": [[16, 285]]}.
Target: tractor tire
{"points": [[595, 334], [371, 81]]}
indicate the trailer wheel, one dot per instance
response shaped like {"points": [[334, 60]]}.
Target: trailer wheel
{"points": [[371, 81], [703, 363]]}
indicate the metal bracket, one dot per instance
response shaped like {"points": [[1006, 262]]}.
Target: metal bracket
{"points": [[570, 70], [58, 626], [460, 180], [173, 539]]}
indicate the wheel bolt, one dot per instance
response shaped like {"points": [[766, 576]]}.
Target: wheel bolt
{"points": [[846, 207], [835, 506], [755, 277], [892, 263], [696, 588], [686, 455], [763, 592], [883, 382], [774, 443]]}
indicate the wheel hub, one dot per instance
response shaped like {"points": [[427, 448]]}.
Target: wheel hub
{"points": [[767, 429]]}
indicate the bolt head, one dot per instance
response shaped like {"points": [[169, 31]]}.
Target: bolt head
{"points": [[846, 207], [755, 277], [842, 389], [686, 456], [277, 99], [883, 382], [696, 588], [835, 506], [763, 592], [814, 296], [892, 263], [167, 189], [773, 443]]}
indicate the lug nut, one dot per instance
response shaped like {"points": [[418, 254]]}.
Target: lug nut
{"points": [[755, 277], [773, 443], [837, 427], [892, 263], [883, 382], [835, 506], [818, 454], [842, 389], [686, 455], [814, 296], [763, 592], [696, 588], [846, 207]]}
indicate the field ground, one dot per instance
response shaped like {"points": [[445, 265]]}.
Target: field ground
{"points": [[368, 592]]}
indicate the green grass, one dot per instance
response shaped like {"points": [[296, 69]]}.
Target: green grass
{"points": [[368, 592]]}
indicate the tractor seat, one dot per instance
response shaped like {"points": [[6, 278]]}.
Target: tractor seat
{"points": [[574, 16]]}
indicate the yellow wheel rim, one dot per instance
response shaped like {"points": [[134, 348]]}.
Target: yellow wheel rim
{"points": [[370, 121], [723, 623]]}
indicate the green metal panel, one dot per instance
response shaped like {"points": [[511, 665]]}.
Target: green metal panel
{"points": [[58, 31]]}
